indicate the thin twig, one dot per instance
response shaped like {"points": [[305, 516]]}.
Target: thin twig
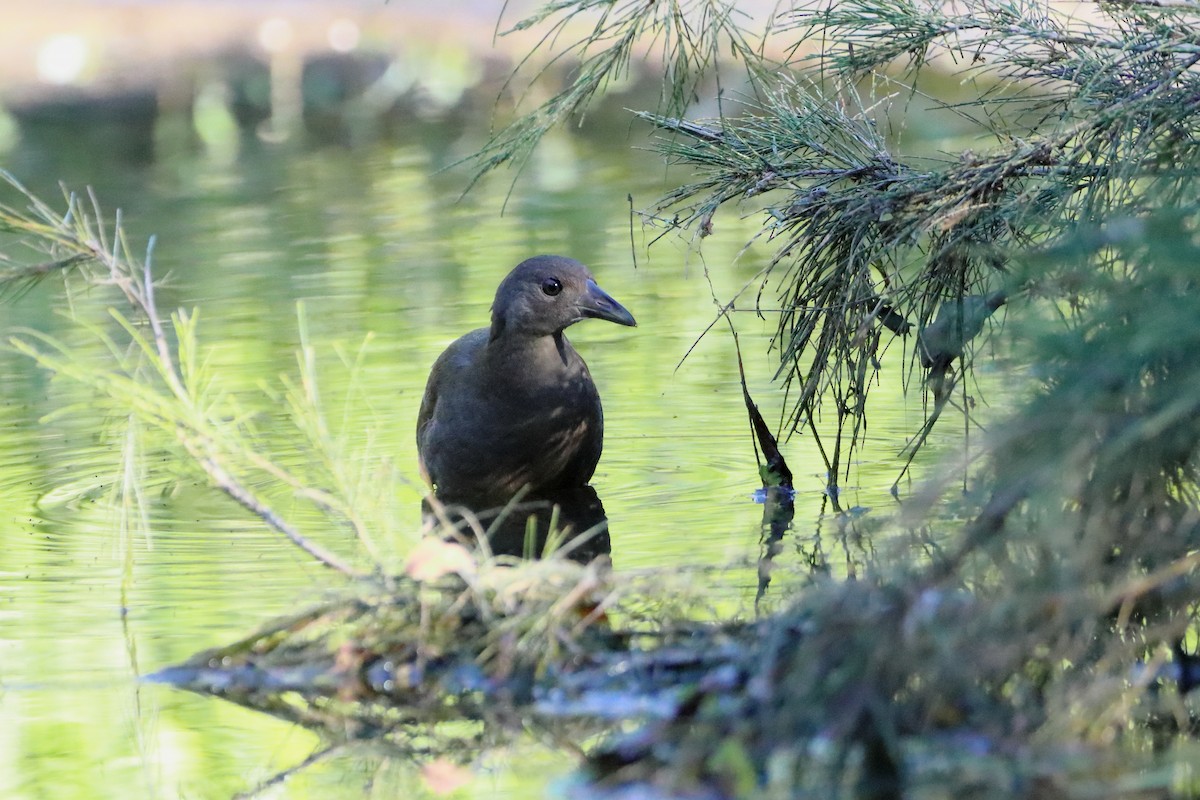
{"points": [[280, 777], [240, 494]]}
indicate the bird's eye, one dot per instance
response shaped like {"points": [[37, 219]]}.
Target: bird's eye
{"points": [[551, 286]]}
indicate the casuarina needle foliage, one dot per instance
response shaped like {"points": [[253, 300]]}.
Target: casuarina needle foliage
{"points": [[1066, 118]]}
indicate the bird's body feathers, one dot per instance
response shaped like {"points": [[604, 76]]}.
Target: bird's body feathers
{"points": [[514, 406]]}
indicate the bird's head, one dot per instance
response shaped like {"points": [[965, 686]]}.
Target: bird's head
{"points": [[545, 294]]}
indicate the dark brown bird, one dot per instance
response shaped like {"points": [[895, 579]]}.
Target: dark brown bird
{"points": [[513, 405]]}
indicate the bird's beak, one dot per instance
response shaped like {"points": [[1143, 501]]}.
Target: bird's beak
{"points": [[598, 304]]}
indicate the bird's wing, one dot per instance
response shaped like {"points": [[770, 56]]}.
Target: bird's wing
{"points": [[424, 417], [448, 366]]}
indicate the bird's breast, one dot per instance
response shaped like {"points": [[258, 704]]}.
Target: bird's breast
{"points": [[516, 419]]}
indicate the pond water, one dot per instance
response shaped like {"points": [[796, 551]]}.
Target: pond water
{"points": [[378, 245]]}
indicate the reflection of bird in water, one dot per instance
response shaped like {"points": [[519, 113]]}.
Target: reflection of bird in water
{"points": [[573, 518], [958, 322], [513, 407]]}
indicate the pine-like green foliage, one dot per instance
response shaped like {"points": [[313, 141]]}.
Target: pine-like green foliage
{"points": [[1074, 118], [154, 382], [691, 35], [985, 656]]}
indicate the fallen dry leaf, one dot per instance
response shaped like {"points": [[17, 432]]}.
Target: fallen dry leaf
{"points": [[432, 558], [442, 776]]}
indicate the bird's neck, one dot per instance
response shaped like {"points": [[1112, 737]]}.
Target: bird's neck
{"points": [[545, 351]]}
